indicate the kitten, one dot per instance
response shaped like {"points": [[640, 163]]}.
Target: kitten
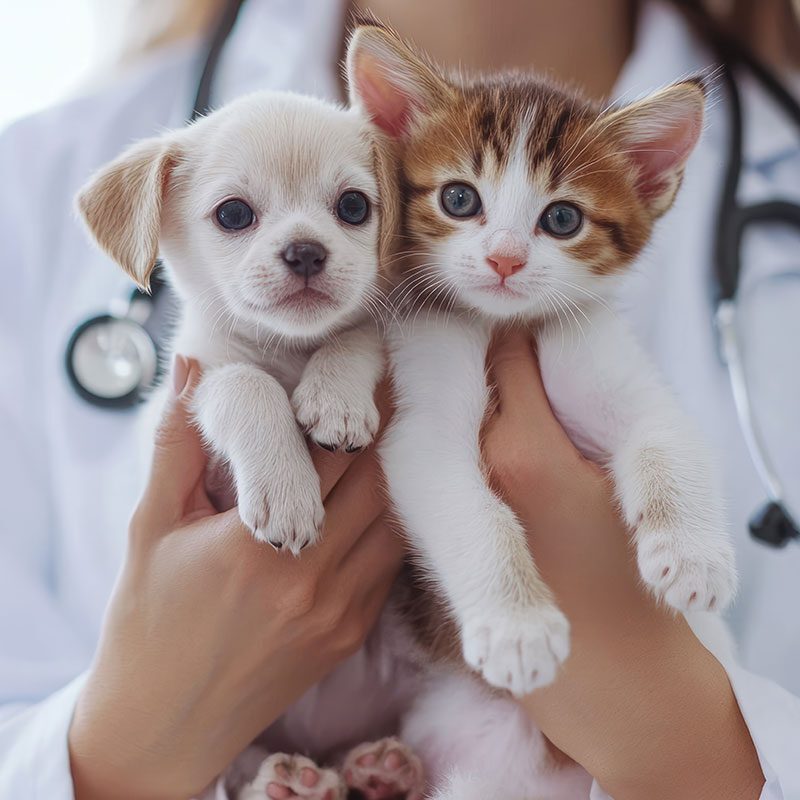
{"points": [[523, 202], [268, 216]]}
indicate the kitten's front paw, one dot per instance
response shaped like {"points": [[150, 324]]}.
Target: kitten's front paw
{"points": [[293, 520], [282, 777], [335, 416], [688, 569], [519, 651]]}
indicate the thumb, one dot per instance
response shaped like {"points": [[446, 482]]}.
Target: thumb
{"points": [[179, 461], [514, 370]]}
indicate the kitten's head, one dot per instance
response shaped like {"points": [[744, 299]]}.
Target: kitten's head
{"points": [[267, 213], [521, 197]]}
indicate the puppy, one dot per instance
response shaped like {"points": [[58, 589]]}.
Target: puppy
{"points": [[272, 215], [268, 218]]}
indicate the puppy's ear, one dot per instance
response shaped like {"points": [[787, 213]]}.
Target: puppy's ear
{"points": [[122, 205], [658, 135], [388, 80]]}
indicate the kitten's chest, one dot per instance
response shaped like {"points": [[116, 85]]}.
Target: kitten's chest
{"points": [[579, 405]]}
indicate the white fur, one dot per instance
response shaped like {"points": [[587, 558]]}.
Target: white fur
{"points": [[245, 315], [469, 540], [605, 392]]}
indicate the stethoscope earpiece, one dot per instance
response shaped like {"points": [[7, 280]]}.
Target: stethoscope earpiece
{"points": [[773, 525]]}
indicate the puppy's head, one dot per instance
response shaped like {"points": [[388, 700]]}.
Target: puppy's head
{"points": [[267, 212]]}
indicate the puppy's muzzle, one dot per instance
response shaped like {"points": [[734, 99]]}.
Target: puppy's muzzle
{"points": [[305, 258]]}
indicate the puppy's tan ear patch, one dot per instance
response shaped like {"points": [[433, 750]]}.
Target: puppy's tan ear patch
{"points": [[122, 203], [389, 80]]}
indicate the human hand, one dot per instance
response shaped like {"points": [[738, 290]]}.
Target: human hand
{"points": [[209, 635], [640, 703]]}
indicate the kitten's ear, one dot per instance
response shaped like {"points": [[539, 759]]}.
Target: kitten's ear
{"points": [[122, 203], [389, 80], [658, 134]]}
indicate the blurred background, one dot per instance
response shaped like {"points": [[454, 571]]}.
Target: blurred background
{"points": [[82, 43], [42, 63], [87, 41]]}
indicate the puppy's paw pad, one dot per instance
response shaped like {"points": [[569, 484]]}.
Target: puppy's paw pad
{"points": [[333, 420], [519, 652], [285, 777], [384, 770], [686, 570]]}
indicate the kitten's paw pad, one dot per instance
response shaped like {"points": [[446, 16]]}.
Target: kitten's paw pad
{"points": [[519, 652], [384, 770], [333, 420], [290, 525], [284, 777], [686, 570]]}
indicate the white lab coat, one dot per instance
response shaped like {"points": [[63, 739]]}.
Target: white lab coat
{"points": [[69, 475]]}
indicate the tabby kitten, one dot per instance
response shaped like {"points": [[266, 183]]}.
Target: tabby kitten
{"points": [[524, 202]]}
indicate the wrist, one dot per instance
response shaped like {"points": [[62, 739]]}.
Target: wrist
{"points": [[105, 761], [656, 718]]}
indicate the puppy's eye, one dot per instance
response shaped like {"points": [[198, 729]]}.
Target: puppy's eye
{"points": [[460, 200], [235, 215], [353, 208], [561, 219]]}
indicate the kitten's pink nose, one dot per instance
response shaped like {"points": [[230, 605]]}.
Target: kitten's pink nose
{"points": [[505, 266]]}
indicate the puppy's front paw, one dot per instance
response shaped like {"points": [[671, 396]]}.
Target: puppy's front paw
{"points": [[335, 415], [687, 568], [293, 520], [520, 651], [282, 777]]}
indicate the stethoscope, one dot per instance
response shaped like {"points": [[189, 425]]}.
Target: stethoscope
{"points": [[773, 523], [113, 360]]}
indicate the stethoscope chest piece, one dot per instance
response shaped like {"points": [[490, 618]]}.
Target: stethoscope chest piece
{"points": [[112, 361]]}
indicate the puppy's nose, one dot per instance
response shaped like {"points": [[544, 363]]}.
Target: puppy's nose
{"points": [[305, 258], [505, 266]]}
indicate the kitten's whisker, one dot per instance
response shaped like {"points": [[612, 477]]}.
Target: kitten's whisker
{"points": [[424, 300], [407, 287], [552, 305], [591, 295], [571, 306]]}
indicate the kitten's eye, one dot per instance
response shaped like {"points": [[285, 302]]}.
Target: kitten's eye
{"points": [[562, 219], [460, 200], [353, 208], [235, 215]]}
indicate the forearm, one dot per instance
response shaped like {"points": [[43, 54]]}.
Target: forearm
{"points": [[639, 702]]}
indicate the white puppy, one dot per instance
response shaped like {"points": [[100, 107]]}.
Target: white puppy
{"points": [[267, 216]]}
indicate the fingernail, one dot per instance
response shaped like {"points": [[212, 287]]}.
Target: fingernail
{"points": [[180, 374]]}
